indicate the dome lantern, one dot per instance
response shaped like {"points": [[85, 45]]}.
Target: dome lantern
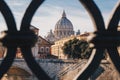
{"points": [[64, 14]]}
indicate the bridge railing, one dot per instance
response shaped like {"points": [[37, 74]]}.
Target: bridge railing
{"points": [[25, 39]]}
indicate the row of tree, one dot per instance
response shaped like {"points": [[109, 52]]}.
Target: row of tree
{"points": [[77, 49]]}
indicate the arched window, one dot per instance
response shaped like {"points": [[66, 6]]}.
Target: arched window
{"points": [[47, 49], [64, 33]]}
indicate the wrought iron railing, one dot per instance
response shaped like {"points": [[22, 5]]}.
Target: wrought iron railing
{"points": [[25, 39]]}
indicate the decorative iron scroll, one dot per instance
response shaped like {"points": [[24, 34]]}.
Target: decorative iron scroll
{"points": [[104, 39], [24, 38]]}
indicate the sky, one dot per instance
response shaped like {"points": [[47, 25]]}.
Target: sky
{"points": [[50, 12]]}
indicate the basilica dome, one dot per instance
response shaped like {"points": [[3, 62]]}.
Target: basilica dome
{"points": [[63, 27], [50, 37], [63, 23]]}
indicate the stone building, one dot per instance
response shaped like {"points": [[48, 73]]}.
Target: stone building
{"points": [[40, 50], [35, 29], [44, 48], [56, 49]]}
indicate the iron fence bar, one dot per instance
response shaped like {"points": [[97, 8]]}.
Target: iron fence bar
{"points": [[11, 39], [114, 55], [26, 51], [94, 61], [33, 65], [101, 33], [95, 14], [11, 25], [112, 26], [29, 14], [114, 18], [91, 65], [7, 61]]}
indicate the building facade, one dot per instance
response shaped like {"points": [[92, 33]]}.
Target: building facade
{"points": [[41, 49], [44, 48], [56, 49]]}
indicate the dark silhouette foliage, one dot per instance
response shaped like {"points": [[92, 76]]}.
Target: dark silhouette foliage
{"points": [[77, 49]]}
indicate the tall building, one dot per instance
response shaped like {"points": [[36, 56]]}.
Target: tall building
{"points": [[63, 28]]}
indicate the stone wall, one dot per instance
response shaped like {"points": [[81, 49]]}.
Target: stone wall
{"points": [[67, 69]]}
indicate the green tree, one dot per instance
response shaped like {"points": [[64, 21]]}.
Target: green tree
{"points": [[77, 49]]}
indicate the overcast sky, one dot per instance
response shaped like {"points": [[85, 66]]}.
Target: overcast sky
{"points": [[51, 11]]}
